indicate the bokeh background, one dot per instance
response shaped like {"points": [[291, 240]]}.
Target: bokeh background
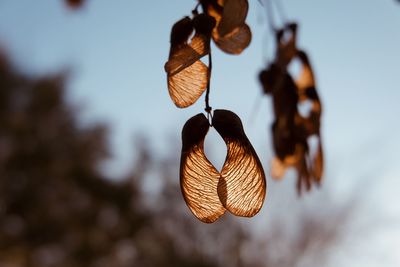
{"points": [[90, 140]]}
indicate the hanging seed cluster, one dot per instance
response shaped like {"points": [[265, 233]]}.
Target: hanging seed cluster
{"points": [[240, 186], [291, 130]]}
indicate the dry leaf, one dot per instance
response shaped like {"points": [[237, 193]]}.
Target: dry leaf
{"points": [[242, 186], [198, 177]]}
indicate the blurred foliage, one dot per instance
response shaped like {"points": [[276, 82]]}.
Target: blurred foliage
{"points": [[57, 209]]}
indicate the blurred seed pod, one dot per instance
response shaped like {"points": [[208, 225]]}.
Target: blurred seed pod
{"points": [[311, 124], [292, 130]]}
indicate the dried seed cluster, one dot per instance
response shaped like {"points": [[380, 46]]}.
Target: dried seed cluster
{"points": [[240, 186], [291, 130]]}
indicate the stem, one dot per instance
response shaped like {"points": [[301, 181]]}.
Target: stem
{"points": [[208, 108]]}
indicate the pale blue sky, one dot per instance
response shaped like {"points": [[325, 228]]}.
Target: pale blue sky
{"points": [[117, 50]]}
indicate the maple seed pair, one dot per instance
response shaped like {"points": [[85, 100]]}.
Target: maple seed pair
{"points": [[240, 186], [222, 21]]}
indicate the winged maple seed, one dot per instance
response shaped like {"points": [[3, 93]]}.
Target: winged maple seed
{"points": [[240, 187], [187, 75], [291, 130], [198, 177], [224, 21], [231, 34]]}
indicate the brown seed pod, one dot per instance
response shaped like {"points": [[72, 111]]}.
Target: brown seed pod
{"points": [[231, 34], [235, 42], [187, 75], [242, 186], [198, 177]]}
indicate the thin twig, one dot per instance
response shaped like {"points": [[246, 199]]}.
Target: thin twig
{"points": [[208, 107]]}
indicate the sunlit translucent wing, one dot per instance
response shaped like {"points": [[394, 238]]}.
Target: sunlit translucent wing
{"points": [[242, 186], [188, 85], [198, 177], [233, 16], [187, 75], [186, 55]]}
